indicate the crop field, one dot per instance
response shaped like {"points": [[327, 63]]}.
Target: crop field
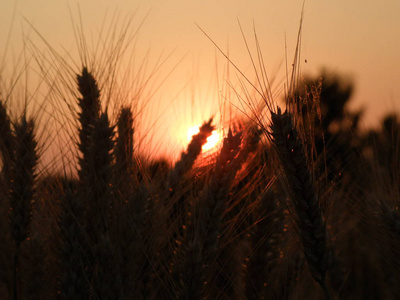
{"points": [[292, 200]]}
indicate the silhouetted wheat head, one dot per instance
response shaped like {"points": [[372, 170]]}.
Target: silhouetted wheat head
{"points": [[309, 219]]}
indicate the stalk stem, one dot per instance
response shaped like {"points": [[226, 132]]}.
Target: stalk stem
{"points": [[15, 273], [327, 293]]}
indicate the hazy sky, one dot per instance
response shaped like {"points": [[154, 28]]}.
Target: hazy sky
{"points": [[359, 39]]}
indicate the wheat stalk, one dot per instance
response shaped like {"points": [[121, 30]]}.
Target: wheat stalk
{"points": [[130, 208], [22, 187], [73, 278], [264, 241], [106, 275], [100, 180], [202, 235], [33, 267], [191, 280], [96, 172], [213, 202], [302, 193], [176, 198]]}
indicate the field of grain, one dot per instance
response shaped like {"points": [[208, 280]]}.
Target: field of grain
{"points": [[298, 202]]}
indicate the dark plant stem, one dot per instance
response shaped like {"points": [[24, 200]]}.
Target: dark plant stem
{"points": [[15, 273], [327, 293]]}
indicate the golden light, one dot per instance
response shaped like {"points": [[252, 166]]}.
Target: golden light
{"points": [[212, 140]]}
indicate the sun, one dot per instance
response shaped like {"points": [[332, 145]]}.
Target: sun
{"points": [[212, 141]]}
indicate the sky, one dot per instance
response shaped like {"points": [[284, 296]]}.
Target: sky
{"points": [[357, 39]]}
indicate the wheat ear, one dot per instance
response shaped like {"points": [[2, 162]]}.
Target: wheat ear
{"points": [[131, 211], [89, 105], [124, 163], [176, 176], [23, 182], [96, 144], [22, 187], [302, 193], [186, 162], [7, 147], [100, 173]]}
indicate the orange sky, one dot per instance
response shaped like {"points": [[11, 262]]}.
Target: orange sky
{"points": [[358, 38]]}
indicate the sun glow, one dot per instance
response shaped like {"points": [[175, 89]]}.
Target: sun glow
{"points": [[212, 140]]}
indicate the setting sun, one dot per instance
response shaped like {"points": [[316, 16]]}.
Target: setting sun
{"points": [[212, 140]]}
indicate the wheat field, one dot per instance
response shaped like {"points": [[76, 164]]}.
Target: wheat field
{"points": [[298, 202]]}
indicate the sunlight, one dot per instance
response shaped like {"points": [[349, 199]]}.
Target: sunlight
{"points": [[212, 140]]}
